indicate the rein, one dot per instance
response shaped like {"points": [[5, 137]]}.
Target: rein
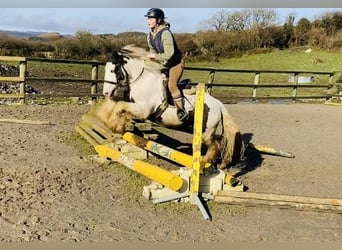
{"points": [[111, 82]]}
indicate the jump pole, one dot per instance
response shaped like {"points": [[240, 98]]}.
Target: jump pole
{"points": [[271, 151], [164, 177], [160, 149]]}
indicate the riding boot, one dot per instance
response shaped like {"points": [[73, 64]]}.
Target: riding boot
{"points": [[182, 115]]}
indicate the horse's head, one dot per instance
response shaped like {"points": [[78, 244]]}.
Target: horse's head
{"points": [[125, 67]]}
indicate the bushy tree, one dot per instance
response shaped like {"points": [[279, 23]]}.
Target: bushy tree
{"points": [[302, 31], [331, 22]]}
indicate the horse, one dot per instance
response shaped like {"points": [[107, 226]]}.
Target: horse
{"points": [[135, 88]]}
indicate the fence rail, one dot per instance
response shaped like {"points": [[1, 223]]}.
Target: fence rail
{"points": [[255, 86]]}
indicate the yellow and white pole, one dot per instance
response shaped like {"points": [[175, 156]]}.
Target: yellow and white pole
{"points": [[272, 151], [162, 150], [164, 177]]}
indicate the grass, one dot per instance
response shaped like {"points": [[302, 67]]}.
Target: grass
{"points": [[295, 59], [277, 60], [319, 60], [82, 145]]}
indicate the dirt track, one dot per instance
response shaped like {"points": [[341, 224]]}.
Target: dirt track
{"points": [[50, 192]]}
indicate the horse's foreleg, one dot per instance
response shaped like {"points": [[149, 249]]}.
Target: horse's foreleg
{"points": [[123, 113], [104, 112]]}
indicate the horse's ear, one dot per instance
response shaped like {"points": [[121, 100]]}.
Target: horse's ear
{"points": [[115, 57]]}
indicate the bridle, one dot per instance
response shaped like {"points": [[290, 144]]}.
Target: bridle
{"points": [[121, 92]]}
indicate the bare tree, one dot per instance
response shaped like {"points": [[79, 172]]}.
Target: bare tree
{"points": [[244, 19], [262, 18], [217, 22], [261, 21], [239, 20]]}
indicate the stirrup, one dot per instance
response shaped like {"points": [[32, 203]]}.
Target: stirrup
{"points": [[182, 115]]}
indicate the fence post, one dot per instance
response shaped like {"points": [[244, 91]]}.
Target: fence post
{"points": [[22, 73], [94, 76], [256, 82], [331, 86], [331, 77], [338, 82], [294, 91], [210, 80]]}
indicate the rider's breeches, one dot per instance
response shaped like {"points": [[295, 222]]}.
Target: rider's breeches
{"points": [[175, 75]]}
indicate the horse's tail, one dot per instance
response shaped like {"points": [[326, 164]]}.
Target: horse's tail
{"points": [[231, 146]]}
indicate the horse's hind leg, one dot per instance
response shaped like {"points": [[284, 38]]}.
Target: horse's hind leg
{"points": [[212, 147], [211, 153]]}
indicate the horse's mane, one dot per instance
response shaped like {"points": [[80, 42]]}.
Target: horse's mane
{"points": [[141, 54]]}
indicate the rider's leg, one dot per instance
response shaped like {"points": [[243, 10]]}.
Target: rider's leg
{"points": [[175, 75]]}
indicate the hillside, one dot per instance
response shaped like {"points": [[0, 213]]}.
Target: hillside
{"points": [[21, 33]]}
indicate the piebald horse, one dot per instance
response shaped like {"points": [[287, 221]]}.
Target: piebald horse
{"points": [[134, 88]]}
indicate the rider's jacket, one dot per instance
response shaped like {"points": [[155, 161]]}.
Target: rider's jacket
{"points": [[162, 43]]}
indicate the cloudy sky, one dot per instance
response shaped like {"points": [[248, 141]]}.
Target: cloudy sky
{"points": [[116, 20]]}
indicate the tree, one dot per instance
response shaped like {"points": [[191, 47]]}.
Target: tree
{"points": [[288, 32], [332, 22], [245, 19], [302, 31], [218, 21], [262, 18]]}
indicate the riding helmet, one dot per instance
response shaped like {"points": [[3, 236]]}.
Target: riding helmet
{"points": [[156, 13]]}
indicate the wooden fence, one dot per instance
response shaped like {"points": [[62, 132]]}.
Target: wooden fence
{"points": [[22, 79], [294, 86], [255, 86]]}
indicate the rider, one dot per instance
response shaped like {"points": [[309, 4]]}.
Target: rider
{"points": [[163, 48]]}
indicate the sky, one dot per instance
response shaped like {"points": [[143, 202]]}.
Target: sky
{"points": [[117, 20]]}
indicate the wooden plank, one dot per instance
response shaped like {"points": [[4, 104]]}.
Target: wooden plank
{"points": [[11, 79], [13, 58], [70, 61], [279, 200], [94, 123], [86, 136], [12, 96], [259, 70], [34, 122], [97, 137], [143, 126], [56, 79]]}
